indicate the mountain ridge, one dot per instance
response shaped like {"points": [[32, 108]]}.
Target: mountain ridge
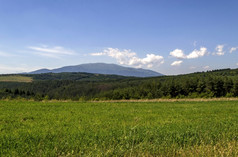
{"points": [[102, 68]]}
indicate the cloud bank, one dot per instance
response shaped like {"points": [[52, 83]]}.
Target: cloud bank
{"points": [[127, 57]]}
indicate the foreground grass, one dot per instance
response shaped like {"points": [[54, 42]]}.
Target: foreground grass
{"points": [[15, 78], [119, 128]]}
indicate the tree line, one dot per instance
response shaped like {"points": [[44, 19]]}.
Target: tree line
{"points": [[213, 84]]}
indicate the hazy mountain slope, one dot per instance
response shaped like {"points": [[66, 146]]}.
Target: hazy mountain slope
{"points": [[102, 68]]}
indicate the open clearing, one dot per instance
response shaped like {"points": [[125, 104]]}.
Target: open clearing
{"points": [[15, 78], [119, 128]]}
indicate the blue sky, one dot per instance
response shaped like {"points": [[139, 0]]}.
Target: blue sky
{"points": [[168, 36]]}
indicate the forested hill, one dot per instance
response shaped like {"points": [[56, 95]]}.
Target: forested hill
{"points": [[84, 86], [75, 76]]}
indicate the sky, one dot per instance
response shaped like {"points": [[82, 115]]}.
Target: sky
{"points": [[168, 36]]}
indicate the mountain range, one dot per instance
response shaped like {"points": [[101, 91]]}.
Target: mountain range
{"points": [[102, 68]]}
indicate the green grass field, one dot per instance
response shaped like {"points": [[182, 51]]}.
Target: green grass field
{"points": [[118, 128], [15, 78]]}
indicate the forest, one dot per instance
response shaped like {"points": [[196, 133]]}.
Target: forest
{"points": [[85, 86]]}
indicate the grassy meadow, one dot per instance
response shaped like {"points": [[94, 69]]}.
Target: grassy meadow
{"points": [[15, 78], [29, 128]]}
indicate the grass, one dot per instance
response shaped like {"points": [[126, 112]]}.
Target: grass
{"points": [[15, 78], [119, 128]]}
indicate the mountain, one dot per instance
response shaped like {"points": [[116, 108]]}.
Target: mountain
{"points": [[102, 68]]}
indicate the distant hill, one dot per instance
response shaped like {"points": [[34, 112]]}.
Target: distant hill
{"points": [[102, 68]]}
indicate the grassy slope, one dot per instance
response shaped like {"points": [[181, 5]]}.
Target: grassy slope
{"points": [[14, 78], [126, 128]]}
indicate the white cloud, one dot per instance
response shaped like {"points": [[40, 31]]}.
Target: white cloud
{"points": [[206, 67], [177, 53], [176, 63], [233, 49], [127, 57], [197, 53], [149, 61], [123, 57], [53, 52], [236, 63], [98, 54], [219, 50]]}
